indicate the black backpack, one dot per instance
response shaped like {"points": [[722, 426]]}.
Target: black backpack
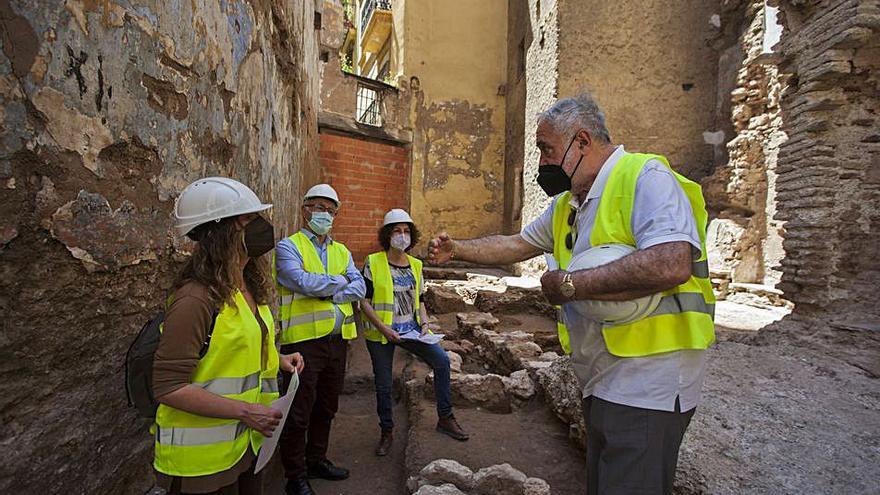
{"points": [[139, 365]]}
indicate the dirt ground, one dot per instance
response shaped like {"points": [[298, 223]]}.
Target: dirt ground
{"points": [[790, 409], [779, 416]]}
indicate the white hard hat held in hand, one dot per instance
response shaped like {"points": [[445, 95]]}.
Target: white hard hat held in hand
{"points": [[322, 191], [616, 312], [397, 216], [212, 199]]}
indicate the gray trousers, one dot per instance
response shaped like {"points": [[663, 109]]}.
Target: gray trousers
{"points": [[631, 450]]}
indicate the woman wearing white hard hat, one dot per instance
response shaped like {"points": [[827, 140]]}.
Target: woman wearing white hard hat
{"points": [[396, 317], [215, 369]]}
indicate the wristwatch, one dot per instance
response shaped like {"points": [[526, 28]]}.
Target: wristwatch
{"points": [[566, 287]]}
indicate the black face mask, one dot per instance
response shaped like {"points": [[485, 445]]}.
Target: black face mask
{"points": [[259, 237], [553, 179]]}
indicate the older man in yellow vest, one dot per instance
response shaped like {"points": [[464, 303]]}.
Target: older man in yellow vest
{"points": [[641, 380], [317, 282]]}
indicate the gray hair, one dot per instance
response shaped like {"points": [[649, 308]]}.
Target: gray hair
{"points": [[577, 112]]}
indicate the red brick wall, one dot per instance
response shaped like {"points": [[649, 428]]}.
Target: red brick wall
{"points": [[371, 178]]}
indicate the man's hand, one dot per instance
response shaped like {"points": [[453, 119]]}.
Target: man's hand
{"points": [[261, 418], [391, 335], [291, 362], [440, 249], [550, 283]]}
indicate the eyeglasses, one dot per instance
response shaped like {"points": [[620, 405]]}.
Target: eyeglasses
{"points": [[571, 237], [315, 207]]}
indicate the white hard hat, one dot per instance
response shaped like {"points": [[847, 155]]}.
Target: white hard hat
{"points": [[213, 198], [322, 191], [617, 312], [397, 216]]}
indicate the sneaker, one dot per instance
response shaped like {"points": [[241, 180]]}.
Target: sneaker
{"points": [[326, 470], [385, 443], [449, 426]]}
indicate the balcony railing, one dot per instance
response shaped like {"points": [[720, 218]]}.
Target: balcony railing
{"points": [[370, 6]]}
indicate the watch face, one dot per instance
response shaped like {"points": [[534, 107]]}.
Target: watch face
{"points": [[567, 289]]}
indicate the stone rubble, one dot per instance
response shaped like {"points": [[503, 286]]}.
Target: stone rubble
{"points": [[446, 476]]}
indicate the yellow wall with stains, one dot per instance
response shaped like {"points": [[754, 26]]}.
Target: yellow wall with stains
{"points": [[454, 57]]}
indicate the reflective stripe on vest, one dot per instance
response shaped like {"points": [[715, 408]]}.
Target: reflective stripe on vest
{"points": [[191, 437], [561, 210], [383, 293], [302, 317], [230, 386], [684, 317], [187, 444], [269, 385]]}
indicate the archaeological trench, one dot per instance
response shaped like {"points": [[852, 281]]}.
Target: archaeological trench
{"points": [[110, 108]]}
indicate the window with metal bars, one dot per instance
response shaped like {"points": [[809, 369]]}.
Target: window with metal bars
{"points": [[369, 106]]}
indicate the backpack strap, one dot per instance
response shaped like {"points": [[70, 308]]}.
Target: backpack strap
{"points": [[207, 342]]}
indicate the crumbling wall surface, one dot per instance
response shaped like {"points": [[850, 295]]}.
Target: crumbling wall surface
{"points": [[542, 74], [456, 78], [519, 39], [109, 109], [744, 241], [828, 181], [652, 67]]}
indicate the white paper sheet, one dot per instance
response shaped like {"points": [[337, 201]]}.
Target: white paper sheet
{"points": [[283, 405], [429, 338]]}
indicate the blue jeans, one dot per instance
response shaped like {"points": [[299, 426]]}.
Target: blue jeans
{"points": [[382, 356]]}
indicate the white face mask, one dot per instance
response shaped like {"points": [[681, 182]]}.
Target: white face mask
{"points": [[400, 241]]}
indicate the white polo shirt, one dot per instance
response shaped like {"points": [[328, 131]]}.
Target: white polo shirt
{"points": [[661, 214]]}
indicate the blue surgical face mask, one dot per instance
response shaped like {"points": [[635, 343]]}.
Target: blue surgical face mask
{"points": [[321, 222]]}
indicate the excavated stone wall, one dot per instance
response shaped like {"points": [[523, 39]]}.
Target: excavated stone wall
{"points": [[109, 109], [745, 240], [828, 181]]}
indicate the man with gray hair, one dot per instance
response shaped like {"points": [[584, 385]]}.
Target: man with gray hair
{"points": [[641, 380]]}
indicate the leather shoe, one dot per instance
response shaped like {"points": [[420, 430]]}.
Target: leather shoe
{"points": [[385, 443], [299, 486], [449, 426], [326, 470]]}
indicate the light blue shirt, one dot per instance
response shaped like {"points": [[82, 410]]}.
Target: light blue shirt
{"points": [[292, 274]]}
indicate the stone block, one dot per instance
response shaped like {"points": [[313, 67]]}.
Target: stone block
{"points": [[445, 489], [501, 479], [440, 299], [448, 471], [536, 486]]}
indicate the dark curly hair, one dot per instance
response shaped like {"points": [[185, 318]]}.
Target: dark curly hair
{"points": [[385, 235], [215, 264]]}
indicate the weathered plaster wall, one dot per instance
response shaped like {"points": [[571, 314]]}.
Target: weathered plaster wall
{"points": [[519, 39], [828, 181], [542, 88], [652, 69], [109, 109], [455, 64], [745, 239]]}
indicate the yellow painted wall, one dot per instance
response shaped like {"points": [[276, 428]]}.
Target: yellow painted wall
{"points": [[454, 66]]}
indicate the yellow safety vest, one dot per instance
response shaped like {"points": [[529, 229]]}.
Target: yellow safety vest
{"points": [[561, 211], [187, 444], [383, 293], [684, 319], [306, 318]]}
